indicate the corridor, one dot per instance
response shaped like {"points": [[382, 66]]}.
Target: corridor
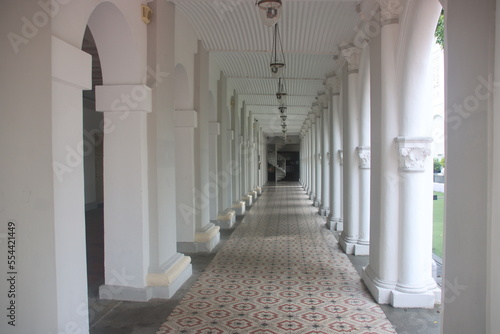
{"points": [[281, 271]]}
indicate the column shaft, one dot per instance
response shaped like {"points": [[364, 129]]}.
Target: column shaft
{"points": [[325, 153], [350, 234]]}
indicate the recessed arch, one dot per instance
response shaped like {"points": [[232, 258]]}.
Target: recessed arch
{"points": [[118, 52]]}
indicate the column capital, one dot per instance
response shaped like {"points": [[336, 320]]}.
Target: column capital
{"points": [[390, 11], [312, 117], [323, 99], [413, 152], [316, 109], [332, 83], [364, 154], [352, 55]]}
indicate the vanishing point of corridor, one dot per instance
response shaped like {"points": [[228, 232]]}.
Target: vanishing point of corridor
{"points": [[281, 271]]}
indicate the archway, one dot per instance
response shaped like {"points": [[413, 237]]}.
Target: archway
{"points": [[124, 102], [93, 138]]}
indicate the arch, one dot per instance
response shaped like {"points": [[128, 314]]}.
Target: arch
{"points": [[183, 96], [120, 61]]}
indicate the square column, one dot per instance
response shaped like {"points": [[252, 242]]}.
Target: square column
{"points": [[168, 269], [213, 170], [126, 213], [207, 234]]}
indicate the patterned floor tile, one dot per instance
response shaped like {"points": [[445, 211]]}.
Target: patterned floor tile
{"points": [[280, 272]]}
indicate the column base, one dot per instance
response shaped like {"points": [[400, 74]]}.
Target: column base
{"points": [[248, 199], [204, 240], [312, 196], [162, 285], [386, 293], [333, 223], [380, 290], [413, 300], [254, 194], [239, 207], [340, 226], [361, 249], [316, 203], [324, 211], [347, 245], [259, 190], [226, 219]]}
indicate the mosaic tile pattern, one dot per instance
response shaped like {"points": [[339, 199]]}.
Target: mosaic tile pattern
{"points": [[280, 272]]}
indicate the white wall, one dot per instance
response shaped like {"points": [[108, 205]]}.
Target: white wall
{"points": [[26, 184], [469, 52]]}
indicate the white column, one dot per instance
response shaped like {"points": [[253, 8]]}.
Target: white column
{"points": [[381, 274], [186, 122], [412, 289], [317, 156], [350, 234], [207, 234], [335, 217], [168, 269], [306, 157], [312, 144], [325, 153], [213, 170], [126, 214], [302, 152], [403, 277], [415, 286], [245, 148], [43, 191], [251, 156], [364, 154], [238, 205]]}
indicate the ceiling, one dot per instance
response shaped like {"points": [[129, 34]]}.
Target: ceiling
{"points": [[311, 31]]}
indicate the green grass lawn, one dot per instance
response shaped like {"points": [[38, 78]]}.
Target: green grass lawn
{"points": [[437, 238]]}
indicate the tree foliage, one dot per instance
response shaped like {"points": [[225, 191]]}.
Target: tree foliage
{"points": [[440, 30]]}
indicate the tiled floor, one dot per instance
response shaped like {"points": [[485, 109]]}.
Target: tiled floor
{"points": [[286, 264], [281, 272]]}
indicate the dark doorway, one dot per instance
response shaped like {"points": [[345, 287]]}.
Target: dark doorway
{"points": [[292, 165]]}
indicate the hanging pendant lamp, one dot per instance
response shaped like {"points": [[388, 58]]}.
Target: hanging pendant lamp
{"points": [[281, 94], [277, 56], [269, 11]]}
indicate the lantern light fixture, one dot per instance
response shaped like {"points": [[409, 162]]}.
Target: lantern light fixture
{"points": [[281, 94], [277, 55], [269, 11]]}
